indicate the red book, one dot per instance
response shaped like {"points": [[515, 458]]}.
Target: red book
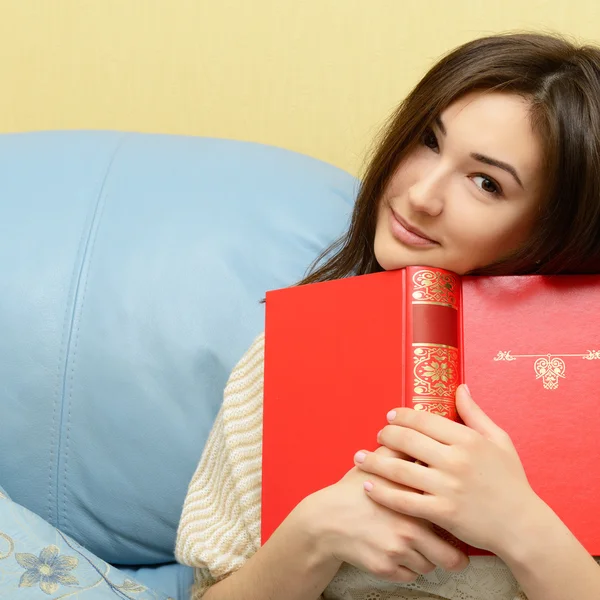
{"points": [[339, 355]]}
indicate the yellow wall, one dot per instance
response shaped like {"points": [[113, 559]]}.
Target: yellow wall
{"points": [[316, 76]]}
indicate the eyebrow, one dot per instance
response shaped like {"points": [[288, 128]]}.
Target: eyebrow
{"points": [[485, 159]]}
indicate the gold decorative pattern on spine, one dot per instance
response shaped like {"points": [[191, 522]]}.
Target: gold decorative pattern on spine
{"points": [[550, 368], [432, 287], [436, 374]]}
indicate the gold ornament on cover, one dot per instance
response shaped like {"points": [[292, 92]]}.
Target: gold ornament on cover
{"points": [[550, 368]]}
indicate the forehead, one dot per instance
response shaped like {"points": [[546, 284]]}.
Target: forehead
{"points": [[498, 125]]}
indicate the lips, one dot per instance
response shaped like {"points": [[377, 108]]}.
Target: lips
{"points": [[408, 233]]}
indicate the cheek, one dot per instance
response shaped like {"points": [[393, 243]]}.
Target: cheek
{"points": [[404, 175], [490, 236], [514, 230], [395, 186]]}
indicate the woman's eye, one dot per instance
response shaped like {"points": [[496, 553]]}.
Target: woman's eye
{"points": [[430, 140], [487, 185]]}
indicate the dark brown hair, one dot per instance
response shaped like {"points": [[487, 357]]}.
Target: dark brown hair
{"points": [[562, 83]]}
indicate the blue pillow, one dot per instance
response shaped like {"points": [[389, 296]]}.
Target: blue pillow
{"points": [[38, 561], [132, 268]]}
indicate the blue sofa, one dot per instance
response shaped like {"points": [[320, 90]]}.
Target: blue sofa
{"points": [[131, 272]]}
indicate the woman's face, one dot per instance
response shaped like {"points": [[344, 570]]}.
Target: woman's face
{"points": [[469, 194]]}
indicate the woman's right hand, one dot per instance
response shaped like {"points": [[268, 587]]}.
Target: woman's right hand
{"points": [[348, 526]]}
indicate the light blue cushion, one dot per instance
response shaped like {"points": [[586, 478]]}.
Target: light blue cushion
{"points": [[131, 270], [38, 562], [173, 579]]}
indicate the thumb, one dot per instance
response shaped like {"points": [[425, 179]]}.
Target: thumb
{"points": [[472, 414]]}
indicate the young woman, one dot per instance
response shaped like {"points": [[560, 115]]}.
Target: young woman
{"points": [[490, 166]]}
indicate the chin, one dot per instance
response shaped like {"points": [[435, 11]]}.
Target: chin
{"points": [[389, 262], [391, 265], [391, 256]]}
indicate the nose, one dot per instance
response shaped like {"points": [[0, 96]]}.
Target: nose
{"points": [[426, 194]]}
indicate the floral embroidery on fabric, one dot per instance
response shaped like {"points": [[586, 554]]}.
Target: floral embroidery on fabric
{"points": [[38, 561], [49, 570], [133, 587]]}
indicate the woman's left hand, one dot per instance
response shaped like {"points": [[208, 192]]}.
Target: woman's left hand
{"points": [[472, 483]]}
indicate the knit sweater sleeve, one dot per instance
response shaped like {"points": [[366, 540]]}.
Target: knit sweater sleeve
{"points": [[219, 528]]}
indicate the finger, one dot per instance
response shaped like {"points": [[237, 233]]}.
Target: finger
{"points": [[473, 415], [403, 472], [414, 443], [377, 479], [407, 502], [399, 575], [434, 426], [415, 561], [352, 473], [440, 552], [385, 451]]}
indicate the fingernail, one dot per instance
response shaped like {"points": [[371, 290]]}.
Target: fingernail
{"points": [[391, 415], [379, 434], [467, 388], [368, 486], [359, 457]]}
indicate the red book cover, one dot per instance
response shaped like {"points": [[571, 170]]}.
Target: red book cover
{"points": [[340, 354]]}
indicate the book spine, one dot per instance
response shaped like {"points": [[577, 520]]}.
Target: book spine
{"points": [[434, 365], [433, 332]]}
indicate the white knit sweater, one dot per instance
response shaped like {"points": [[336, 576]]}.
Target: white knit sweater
{"points": [[220, 523]]}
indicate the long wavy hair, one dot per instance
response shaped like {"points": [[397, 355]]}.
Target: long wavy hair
{"points": [[561, 81]]}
